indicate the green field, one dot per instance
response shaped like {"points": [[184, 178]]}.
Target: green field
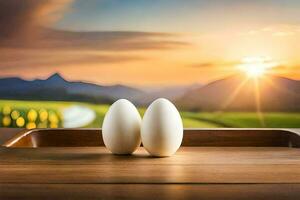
{"points": [[35, 112]]}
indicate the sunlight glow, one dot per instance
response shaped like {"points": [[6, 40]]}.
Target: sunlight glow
{"points": [[234, 94], [258, 103], [255, 71], [256, 66]]}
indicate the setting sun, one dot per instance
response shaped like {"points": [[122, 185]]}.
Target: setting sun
{"points": [[255, 71], [256, 66]]}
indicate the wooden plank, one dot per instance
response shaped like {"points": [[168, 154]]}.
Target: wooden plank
{"points": [[150, 174], [151, 191], [184, 156], [190, 165]]}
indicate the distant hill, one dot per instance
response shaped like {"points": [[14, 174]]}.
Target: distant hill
{"points": [[57, 88], [171, 93], [275, 94]]}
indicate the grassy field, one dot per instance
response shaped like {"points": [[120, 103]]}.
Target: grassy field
{"points": [[35, 112], [248, 119]]}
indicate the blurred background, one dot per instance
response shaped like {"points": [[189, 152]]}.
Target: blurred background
{"points": [[63, 62]]}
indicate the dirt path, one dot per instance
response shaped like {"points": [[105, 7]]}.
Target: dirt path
{"points": [[77, 116]]}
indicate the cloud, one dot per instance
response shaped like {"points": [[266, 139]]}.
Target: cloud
{"points": [[99, 40], [72, 49], [279, 30], [36, 59], [21, 19], [215, 65]]}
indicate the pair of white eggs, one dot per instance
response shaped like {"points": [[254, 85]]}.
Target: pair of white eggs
{"points": [[160, 130]]}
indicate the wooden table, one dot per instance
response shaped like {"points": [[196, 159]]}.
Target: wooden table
{"points": [[192, 173]]}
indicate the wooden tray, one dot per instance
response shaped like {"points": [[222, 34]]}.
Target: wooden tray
{"points": [[192, 137], [211, 164]]}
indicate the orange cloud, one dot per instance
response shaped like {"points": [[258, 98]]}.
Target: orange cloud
{"points": [[24, 18], [214, 65]]}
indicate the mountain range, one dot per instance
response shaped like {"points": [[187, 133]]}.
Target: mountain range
{"points": [[233, 93], [57, 88], [170, 92]]}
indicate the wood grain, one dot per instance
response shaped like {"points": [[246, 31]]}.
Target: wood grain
{"points": [[189, 165], [151, 191], [184, 156]]}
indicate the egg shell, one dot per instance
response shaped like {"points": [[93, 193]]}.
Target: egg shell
{"points": [[162, 129], [121, 128]]}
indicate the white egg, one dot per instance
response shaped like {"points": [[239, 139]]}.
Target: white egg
{"points": [[121, 128], [162, 129]]}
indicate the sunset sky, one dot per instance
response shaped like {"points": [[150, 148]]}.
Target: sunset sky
{"points": [[143, 42]]}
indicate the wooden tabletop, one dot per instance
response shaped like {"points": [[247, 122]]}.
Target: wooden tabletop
{"points": [[192, 173]]}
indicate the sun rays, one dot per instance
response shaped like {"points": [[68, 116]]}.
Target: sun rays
{"points": [[234, 94], [258, 102], [255, 82], [255, 69]]}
